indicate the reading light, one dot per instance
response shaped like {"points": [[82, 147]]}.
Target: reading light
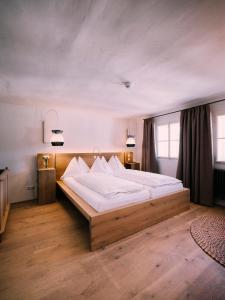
{"points": [[129, 157], [57, 138], [45, 159]]}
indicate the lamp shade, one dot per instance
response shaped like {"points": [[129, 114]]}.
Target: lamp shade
{"points": [[57, 137], [130, 141]]}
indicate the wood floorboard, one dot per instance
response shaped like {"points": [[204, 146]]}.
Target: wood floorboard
{"points": [[45, 255]]}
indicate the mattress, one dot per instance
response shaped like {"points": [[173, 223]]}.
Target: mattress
{"points": [[164, 190], [158, 185], [146, 178], [101, 204]]}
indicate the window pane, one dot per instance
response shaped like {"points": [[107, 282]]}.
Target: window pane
{"points": [[162, 131], [221, 126], [163, 149], [174, 131], [221, 149], [174, 149]]}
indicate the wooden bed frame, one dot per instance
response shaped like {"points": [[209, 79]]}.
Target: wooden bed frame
{"points": [[115, 224]]}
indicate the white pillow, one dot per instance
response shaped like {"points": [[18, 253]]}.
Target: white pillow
{"points": [[98, 166], [108, 169], [120, 165], [83, 166], [113, 164], [72, 169]]}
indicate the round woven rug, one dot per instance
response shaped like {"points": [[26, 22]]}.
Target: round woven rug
{"points": [[209, 233]]}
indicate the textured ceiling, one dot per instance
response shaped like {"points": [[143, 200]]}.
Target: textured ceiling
{"points": [[77, 53]]}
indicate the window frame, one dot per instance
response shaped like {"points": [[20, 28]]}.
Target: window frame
{"points": [[168, 141], [218, 138]]}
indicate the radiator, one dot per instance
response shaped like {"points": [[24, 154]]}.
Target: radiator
{"points": [[219, 184]]}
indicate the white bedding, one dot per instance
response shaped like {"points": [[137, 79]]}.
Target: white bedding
{"points": [[164, 190], [107, 185], [152, 180], [100, 203]]}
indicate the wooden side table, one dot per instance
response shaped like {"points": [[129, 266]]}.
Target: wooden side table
{"points": [[132, 165], [4, 200], [46, 185]]}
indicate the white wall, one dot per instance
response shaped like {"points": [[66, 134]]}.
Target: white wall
{"points": [[21, 140], [84, 131], [139, 139]]}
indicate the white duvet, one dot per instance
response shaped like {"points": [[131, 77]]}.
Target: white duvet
{"points": [[146, 178], [107, 185]]}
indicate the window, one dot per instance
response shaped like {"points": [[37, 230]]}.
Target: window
{"points": [[163, 141], [174, 129], [220, 138], [168, 140]]}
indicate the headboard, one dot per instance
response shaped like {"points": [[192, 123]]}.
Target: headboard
{"points": [[60, 161]]}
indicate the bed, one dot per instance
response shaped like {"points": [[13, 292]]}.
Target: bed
{"points": [[113, 224]]}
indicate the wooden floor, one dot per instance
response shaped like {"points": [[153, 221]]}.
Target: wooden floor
{"points": [[45, 255]]}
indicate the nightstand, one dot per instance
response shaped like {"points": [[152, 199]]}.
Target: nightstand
{"points": [[46, 185], [132, 165]]}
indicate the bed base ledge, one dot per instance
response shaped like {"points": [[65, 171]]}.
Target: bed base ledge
{"points": [[113, 225]]}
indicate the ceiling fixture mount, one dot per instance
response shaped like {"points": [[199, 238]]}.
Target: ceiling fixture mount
{"points": [[126, 84]]}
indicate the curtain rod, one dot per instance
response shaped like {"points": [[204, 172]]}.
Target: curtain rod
{"points": [[176, 111]]}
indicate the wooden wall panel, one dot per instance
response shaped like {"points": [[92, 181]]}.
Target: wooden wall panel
{"points": [[62, 159]]}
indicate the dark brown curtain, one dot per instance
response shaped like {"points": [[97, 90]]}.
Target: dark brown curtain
{"points": [[149, 162], [195, 157]]}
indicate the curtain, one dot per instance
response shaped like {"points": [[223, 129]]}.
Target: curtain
{"points": [[195, 167], [149, 161]]}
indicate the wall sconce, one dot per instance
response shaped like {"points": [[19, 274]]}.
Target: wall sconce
{"points": [[57, 137], [130, 140], [51, 133]]}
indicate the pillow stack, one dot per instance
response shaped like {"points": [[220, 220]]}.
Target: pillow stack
{"points": [[115, 164], [79, 166], [76, 167], [101, 165]]}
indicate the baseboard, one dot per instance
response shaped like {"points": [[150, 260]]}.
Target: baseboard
{"points": [[220, 202], [16, 204]]}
